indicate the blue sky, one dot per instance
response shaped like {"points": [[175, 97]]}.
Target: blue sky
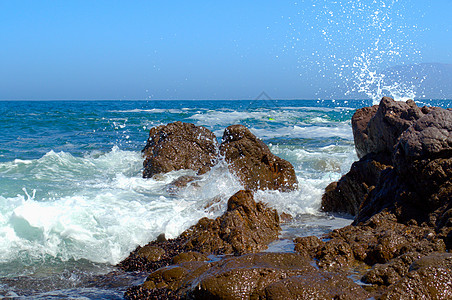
{"points": [[93, 50]]}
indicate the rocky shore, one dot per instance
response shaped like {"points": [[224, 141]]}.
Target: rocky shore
{"points": [[399, 193]]}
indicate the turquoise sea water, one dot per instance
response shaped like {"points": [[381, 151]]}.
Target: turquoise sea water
{"points": [[73, 203]]}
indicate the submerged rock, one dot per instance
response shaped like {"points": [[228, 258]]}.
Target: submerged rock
{"points": [[179, 146], [253, 163]]}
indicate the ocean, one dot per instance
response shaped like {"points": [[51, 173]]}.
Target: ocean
{"points": [[73, 202]]}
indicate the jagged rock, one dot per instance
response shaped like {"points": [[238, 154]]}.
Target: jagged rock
{"points": [[419, 188], [246, 227], [346, 195], [253, 163], [425, 149], [428, 278], [179, 146], [384, 127], [392, 271], [377, 241], [429, 137], [360, 119]]}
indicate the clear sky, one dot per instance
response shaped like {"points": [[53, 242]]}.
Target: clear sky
{"points": [[208, 49]]}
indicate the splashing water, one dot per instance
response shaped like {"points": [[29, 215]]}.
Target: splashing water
{"points": [[359, 47]]}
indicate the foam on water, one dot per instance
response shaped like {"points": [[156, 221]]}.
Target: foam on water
{"points": [[85, 202], [99, 208]]}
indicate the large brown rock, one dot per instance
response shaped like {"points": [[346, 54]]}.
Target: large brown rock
{"points": [[246, 227], [419, 188], [179, 146], [360, 119], [253, 163], [429, 137], [385, 123], [346, 195], [405, 166]]}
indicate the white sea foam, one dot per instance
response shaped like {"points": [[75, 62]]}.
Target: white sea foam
{"points": [[101, 208], [340, 130], [153, 111]]}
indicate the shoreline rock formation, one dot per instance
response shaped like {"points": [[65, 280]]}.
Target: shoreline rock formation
{"points": [[399, 191], [402, 183], [179, 146], [253, 163]]}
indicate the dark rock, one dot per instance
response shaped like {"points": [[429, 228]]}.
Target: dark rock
{"points": [[151, 253], [346, 195], [179, 146], [285, 218], [425, 149], [392, 271], [308, 245], [161, 238], [419, 188], [428, 278], [245, 227], [253, 276], [377, 241], [360, 119], [384, 126], [140, 293], [443, 260], [139, 263], [246, 276], [315, 285], [253, 163], [189, 256]]}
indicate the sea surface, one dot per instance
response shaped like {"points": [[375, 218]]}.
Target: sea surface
{"points": [[73, 202]]}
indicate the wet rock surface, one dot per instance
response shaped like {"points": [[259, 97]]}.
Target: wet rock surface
{"points": [[405, 165], [252, 276], [246, 227], [346, 195], [386, 123], [253, 163], [399, 191], [179, 146], [403, 220], [428, 278]]}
